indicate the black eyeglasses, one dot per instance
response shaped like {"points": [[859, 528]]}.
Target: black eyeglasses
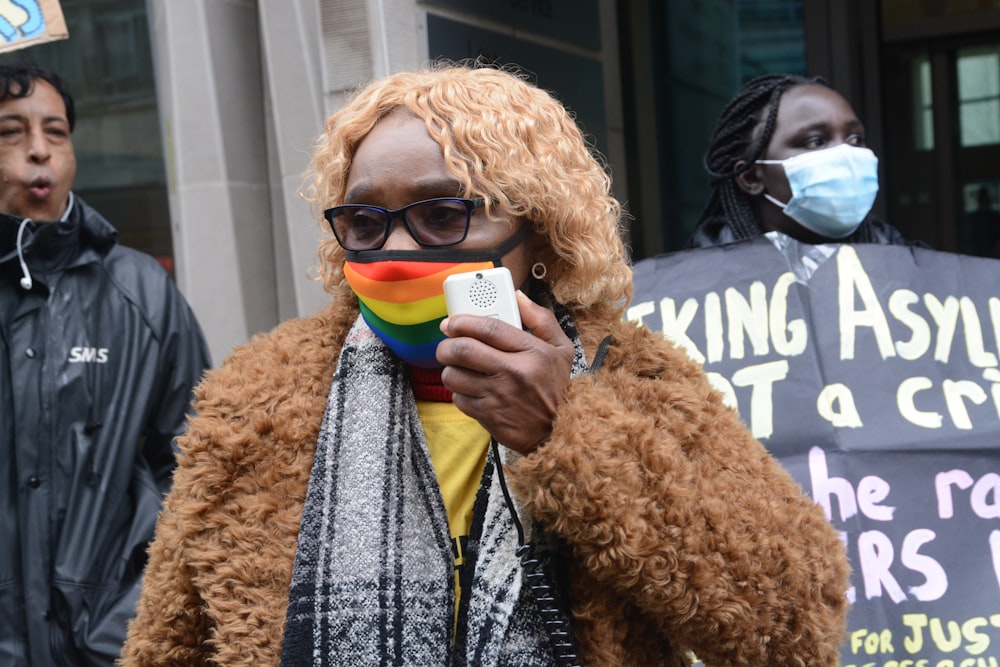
{"points": [[432, 223]]}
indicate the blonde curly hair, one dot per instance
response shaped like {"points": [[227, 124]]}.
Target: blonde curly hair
{"points": [[507, 141]]}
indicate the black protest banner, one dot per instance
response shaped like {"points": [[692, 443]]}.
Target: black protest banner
{"points": [[872, 373]]}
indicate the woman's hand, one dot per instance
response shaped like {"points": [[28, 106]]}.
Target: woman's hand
{"points": [[511, 381]]}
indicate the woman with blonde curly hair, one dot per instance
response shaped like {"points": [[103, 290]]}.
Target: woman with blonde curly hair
{"points": [[342, 494]]}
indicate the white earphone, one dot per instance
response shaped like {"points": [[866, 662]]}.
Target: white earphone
{"points": [[26, 277]]}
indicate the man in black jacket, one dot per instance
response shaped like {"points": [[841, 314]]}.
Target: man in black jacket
{"points": [[98, 356]]}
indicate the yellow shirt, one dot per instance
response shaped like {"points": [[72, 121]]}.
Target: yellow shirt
{"points": [[458, 446]]}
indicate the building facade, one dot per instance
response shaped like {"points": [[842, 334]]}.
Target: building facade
{"points": [[197, 117]]}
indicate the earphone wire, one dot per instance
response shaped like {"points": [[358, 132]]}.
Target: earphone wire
{"points": [[25, 274], [557, 624]]}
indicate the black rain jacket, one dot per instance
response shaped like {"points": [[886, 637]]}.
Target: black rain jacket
{"points": [[97, 363]]}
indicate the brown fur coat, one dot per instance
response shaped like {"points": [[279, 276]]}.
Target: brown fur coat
{"points": [[685, 532]]}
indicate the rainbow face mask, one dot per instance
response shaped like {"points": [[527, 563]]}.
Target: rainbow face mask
{"points": [[401, 292]]}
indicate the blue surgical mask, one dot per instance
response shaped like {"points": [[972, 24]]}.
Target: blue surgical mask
{"points": [[832, 189]]}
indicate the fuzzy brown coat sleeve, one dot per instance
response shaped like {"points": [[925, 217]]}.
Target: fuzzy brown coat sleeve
{"points": [[216, 585], [682, 526]]}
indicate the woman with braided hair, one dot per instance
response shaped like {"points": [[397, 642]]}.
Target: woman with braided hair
{"points": [[789, 155]]}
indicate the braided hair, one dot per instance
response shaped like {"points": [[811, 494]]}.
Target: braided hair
{"points": [[755, 106]]}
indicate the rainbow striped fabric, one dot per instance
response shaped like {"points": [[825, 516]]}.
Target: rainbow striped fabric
{"points": [[403, 302]]}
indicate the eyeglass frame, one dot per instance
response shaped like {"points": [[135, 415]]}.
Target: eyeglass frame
{"points": [[391, 215]]}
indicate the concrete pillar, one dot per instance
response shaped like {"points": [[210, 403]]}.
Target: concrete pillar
{"points": [[240, 103], [293, 79]]}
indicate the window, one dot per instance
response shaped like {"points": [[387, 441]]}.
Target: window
{"points": [[923, 108], [979, 95]]}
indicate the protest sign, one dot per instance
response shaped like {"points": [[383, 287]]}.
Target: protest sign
{"points": [[25, 23], [871, 372]]}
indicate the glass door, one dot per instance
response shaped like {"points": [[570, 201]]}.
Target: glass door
{"points": [[942, 143], [977, 71]]}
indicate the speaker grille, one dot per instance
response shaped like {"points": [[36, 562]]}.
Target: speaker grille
{"points": [[483, 293]]}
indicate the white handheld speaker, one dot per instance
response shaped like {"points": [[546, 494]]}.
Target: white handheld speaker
{"points": [[488, 293]]}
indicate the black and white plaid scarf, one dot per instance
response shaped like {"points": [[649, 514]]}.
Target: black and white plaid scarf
{"points": [[373, 580]]}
